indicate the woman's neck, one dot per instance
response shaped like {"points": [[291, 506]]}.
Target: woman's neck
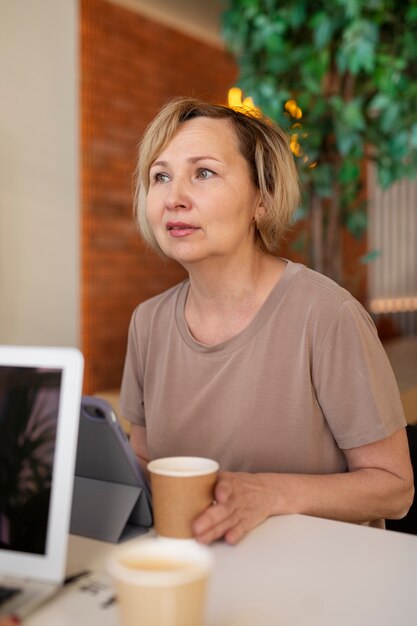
{"points": [[221, 303]]}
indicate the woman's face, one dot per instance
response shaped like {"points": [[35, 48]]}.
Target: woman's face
{"points": [[201, 202]]}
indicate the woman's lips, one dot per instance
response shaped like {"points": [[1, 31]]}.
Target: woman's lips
{"points": [[180, 229]]}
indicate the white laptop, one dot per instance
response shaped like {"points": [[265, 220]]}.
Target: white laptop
{"points": [[40, 395]]}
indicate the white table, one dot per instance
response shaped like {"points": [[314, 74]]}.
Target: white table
{"points": [[291, 571]]}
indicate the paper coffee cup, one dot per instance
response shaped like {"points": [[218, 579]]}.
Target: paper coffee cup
{"points": [[161, 582], [182, 488]]}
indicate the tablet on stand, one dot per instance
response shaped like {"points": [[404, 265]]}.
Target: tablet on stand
{"points": [[111, 499]]}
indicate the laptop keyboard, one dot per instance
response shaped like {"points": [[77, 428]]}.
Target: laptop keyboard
{"points": [[7, 592]]}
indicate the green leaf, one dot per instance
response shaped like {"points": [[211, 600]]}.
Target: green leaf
{"points": [[350, 171], [386, 177], [358, 45], [323, 176], [411, 15], [299, 214], [413, 136], [378, 103], [370, 256], [344, 139], [391, 117], [399, 145], [296, 14], [348, 141], [353, 114], [357, 223], [351, 7], [323, 30], [337, 103]]}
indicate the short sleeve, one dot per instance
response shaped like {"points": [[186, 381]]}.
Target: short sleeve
{"points": [[355, 384], [131, 393]]}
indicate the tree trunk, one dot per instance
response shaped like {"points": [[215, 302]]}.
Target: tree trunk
{"points": [[316, 230], [332, 266], [325, 228]]}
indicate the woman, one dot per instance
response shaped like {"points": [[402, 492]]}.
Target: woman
{"points": [[262, 364]]}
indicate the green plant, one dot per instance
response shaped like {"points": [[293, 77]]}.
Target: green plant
{"points": [[349, 67]]}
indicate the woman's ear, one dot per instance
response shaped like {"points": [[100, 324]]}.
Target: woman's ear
{"points": [[260, 209]]}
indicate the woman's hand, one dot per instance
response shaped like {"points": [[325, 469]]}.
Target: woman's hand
{"points": [[242, 501]]}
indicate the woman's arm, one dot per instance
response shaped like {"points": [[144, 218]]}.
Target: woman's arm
{"points": [[139, 445], [379, 484]]}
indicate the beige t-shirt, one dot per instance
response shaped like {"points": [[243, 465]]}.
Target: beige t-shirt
{"points": [[305, 379]]}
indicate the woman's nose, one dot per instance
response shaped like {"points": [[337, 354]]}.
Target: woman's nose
{"points": [[178, 196]]}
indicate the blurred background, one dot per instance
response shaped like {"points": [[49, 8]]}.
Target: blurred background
{"points": [[81, 79]]}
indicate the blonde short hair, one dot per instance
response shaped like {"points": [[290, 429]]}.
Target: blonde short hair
{"points": [[264, 146]]}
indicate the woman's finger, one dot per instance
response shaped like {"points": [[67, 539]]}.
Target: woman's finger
{"points": [[224, 489], [218, 530]]}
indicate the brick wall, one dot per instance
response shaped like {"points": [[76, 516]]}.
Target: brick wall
{"points": [[130, 66]]}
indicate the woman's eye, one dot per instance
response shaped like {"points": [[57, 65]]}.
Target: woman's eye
{"points": [[203, 172], [160, 177]]}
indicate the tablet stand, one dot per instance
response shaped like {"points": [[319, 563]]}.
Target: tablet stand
{"points": [[101, 509]]}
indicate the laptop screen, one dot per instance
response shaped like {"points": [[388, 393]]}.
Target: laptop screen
{"points": [[29, 407]]}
